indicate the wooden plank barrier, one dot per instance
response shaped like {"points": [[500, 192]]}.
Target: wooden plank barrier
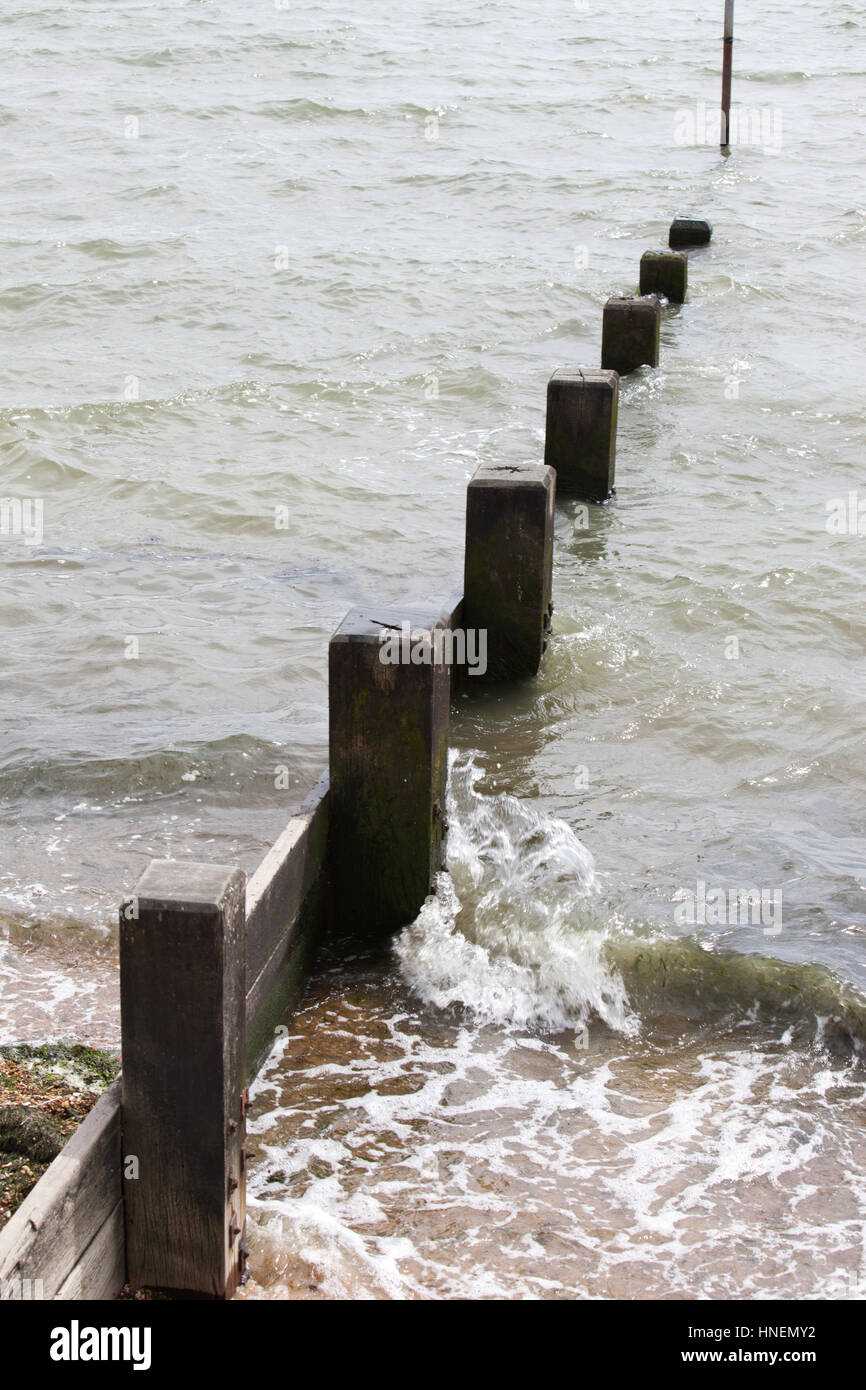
{"points": [[66, 1239], [286, 917], [151, 1187]]}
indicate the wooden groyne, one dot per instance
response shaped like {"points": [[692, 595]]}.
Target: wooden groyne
{"points": [[66, 1240], [152, 1187]]}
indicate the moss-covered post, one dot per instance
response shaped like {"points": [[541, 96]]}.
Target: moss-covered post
{"points": [[183, 1006], [389, 697], [508, 564], [580, 431], [689, 231], [665, 273], [630, 334]]}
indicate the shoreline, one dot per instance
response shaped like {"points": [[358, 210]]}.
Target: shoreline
{"points": [[46, 1090]]}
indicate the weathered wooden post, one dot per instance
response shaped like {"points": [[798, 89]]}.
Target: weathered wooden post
{"points": [[183, 1004], [509, 563], [580, 431], [664, 273], [630, 334], [727, 66], [389, 696], [689, 231]]}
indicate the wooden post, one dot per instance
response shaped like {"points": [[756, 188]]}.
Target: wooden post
{"points": [[389, 703], [664, 273], [183, 1001], [508, 565], [630, 334], [580, 431], [689, 231], [727, 65]]}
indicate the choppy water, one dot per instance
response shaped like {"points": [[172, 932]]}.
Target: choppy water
{"points": [[239, 276], [535, 1102]]}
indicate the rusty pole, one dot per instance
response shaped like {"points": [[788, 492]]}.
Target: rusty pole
{"points": [[727, 56]]}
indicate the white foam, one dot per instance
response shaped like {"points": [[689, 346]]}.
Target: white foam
{"points": [[510, 931], [512, 1167]]}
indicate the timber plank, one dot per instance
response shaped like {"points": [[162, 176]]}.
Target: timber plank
{"points": [[45, 1238]]}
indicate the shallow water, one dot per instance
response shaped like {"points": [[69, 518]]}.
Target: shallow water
{"points": [[525, 1100], [401, 1157], [247, 270]]}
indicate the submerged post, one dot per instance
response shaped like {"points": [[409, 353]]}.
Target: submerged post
{"points": [[183, 1003], [665, 273], [727, 65], [689, 231], [509, 564], [580, 431], [630, 334], [389, 697]]}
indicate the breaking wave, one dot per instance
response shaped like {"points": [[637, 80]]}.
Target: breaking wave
{"points": [[517, 934]]}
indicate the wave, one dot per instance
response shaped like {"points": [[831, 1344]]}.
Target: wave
{"points": [[681, 978], [498, 936], [237, 761], [517, 934]]}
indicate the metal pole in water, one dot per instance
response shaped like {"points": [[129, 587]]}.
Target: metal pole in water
{"points": [[727, 56]]}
